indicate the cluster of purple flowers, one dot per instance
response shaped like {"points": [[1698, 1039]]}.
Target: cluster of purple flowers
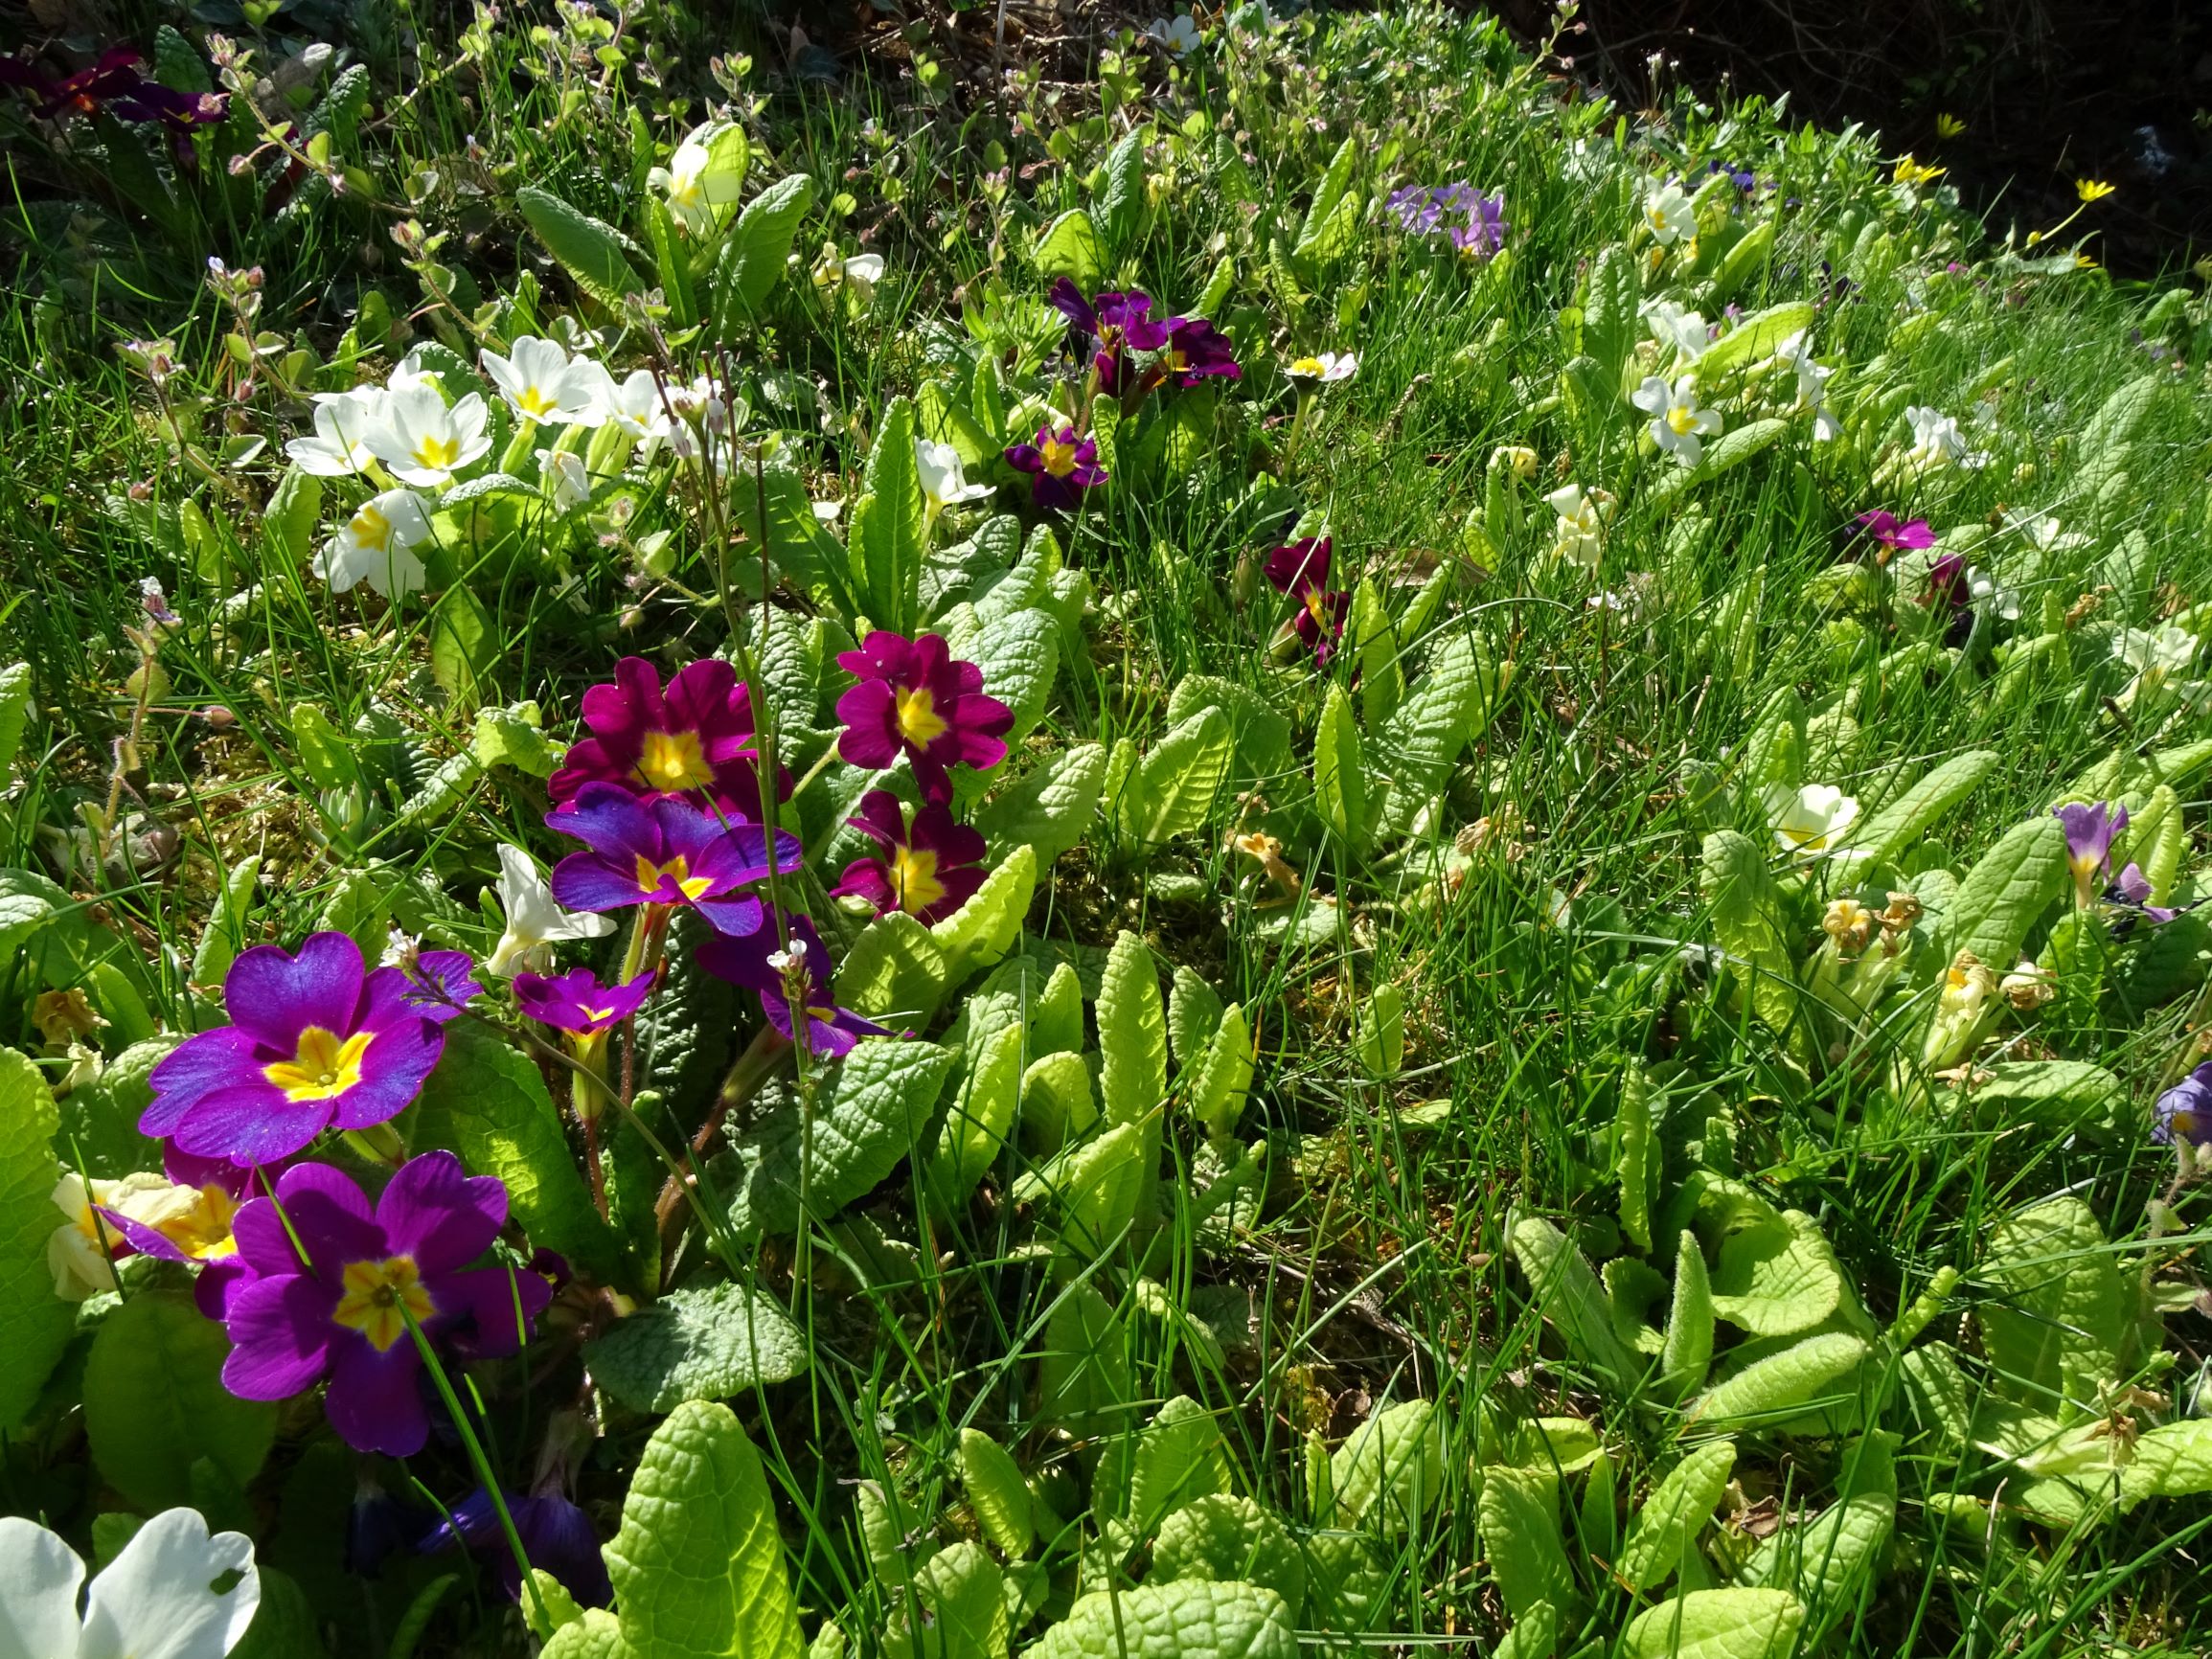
{"points": [[1474, 224], [2092, 827], [1301, 570], [115, 85]]}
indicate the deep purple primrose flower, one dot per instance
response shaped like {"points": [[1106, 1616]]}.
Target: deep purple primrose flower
{"points": [[928, 870], [693, 740], [339, 1305], [759, 965], [663, 851], [1301, 570], [1060, 466], [316, 1041], [1111, 326], [916, 699], [557, 1535], [577, 1002], [116, 85], [2131, 890], [1195, 350], [2089, 833]]}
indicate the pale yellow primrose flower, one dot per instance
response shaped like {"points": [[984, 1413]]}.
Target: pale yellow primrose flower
{"points": [[1678, 426], [376, 546], [1811, 819]]}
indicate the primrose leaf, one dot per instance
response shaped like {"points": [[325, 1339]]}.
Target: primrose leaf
{"points": [[1676, 1513], [1057, 1102], [1261, 732], [1070, 248], [887, 547], [962, 1593], [1229, 1539], [1020, 656], [1096, 1186], [14, 710], [1825, 1560], [1194, 1015], [1778, 1274], [1611, 326], [1755, 338], [1332, 222], [1906, 820], [979, 933], [759, 248], [589, 250], [698, 1566], [1520, 1534], [1731, 1624], [1746, 919], [596, 1635], [2004, 894], [1391, 1468], [997, 1493], [1083, 1368], [1178, 1458], [976, 1124], [1052, 807], [1781, 1382], [701, 1342], [1122, 210], [2172, 1461], [1224, 1078], [1175, 786], [2056, 1323], [870, 1108], [154, 1403], [1568, 1294], [1132, 1033], [486, 1103], [1339, 771], [1688, 1351], [1188, 1618], [895, 970]]}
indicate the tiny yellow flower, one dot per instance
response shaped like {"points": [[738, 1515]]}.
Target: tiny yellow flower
{"points": [[2035, 237], [1949, 127], [2093, 188], [2083, 263], [1911, 171]]}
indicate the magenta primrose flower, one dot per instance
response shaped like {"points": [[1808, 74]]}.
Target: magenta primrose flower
{"points": [[2089, 833], [663, 851], [928, 870], [1196, 351], [1897, 535], [1060, 466], [916, 699], [338, 1305], [316, 1041], [1110, 326], [1301, 570], [693, 740], [760, 965], [577, 1002]]}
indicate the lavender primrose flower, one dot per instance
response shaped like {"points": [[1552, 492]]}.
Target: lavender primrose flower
{"points": [[557, 1535], [1061, 467], [316, 1042], [577, 1002], [692, 741], [440, 982], [1481, 229], [2089, 833], [2131, 890], [338, 1307], [929, 869], [2184, 1111], [663, 851], [757, 963], [1110, 326], [915, 698]]}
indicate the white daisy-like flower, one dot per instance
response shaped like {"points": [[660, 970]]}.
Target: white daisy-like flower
{"points": [[1669, 217], [943, 483], [1685, 332], [423, 442], [542, 382], [536, 921], [157, 1599], [1678, 426], [1328, 368], [376, 545], [1180, 36], [1811, 819], [694, 184], [1937, 442], [340, 444], [1580, 532]]}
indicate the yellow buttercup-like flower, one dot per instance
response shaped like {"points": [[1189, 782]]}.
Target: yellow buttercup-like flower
{"points": [[1949, 127], [1911, 171], [2093, 188]]}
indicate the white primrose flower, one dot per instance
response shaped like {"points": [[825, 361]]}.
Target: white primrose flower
{"points": [[944, 484], [2042, 533], [1329, 368], [1678, 426], [696, 181], [156, 1599], [2155, 655], [340, 444], [861, 272], [1683, 332], [79, 1251], [1668, 216], [1989, 597], [1937, 442], [409, 372], [1811, 819], [377, 545], [535, 920], [423, 442], [1812, 388], [567, 481], [1580, 535], [1179, 37], [542, 382]]}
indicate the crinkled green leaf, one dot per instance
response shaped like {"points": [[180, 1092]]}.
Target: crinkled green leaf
{"points": [[1688, 1351], [978, 1120], [1173, 787], [1083, 1366], [588, 249], [962, 1592], [1777, 1274], [702, 1342], [1070, 248], [979, 933], [14, 710], [698, 1566], [1754, 337], [154, 1403], [1746, 919], [1827, 1560], [1732, 1623], [2055, 1316], [895, 970], [1568, 1294], [1188, 1618], [597, 1635], [1391, 1468], [1261, 751], [1176, 1459], [1671, 1519], [1052, 807], [1906, 820], [997, 1493], [1781, 1382], [1520, 1535], [1057, 1101], [888, 546], [1340, 770], [1020, 656], [1132, 1033], [2007, 891], [1224, 1078], [1229, 1539], [759, 248], [1122, 207], [2172, 1461]]}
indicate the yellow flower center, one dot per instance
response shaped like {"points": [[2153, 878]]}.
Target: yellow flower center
{"points": [[919, 721], [596, 1014], [1681, 418], [679, 870], [203, 1230], [536, 402], [1308, 366], [914, 878], [1058, 457], [324, 1067], [1317, 606], [434, 451], [371, 529], [674, 762], [379, 1298]]}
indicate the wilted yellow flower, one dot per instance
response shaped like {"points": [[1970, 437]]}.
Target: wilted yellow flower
{"points": [[1515, 458], [1848, 924], [1949, 127], [2093, 188], [1911, 171]]}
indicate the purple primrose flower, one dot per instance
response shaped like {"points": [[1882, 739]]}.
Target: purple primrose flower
{"points": [[928, 870], [577, 1002], [663, 851], [1061, 467], [759, 965], [2089, 833], [915, 698], [316, 1042], [1897, 535], [1111, 326], [1196, 351], [693, 740], [2184, 1111], [338, 1305], [1301, 570], [2131, 890], [557, 1535]]}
